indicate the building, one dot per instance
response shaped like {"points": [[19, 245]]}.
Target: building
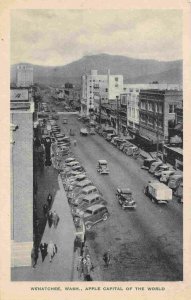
{"points": [[98, 89], [157, 114], [24, 75], [22, 108]]}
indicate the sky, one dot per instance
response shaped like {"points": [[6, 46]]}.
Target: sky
{"points": [[59, 37]]}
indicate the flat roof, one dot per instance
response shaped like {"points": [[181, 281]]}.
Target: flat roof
{"points": [[176, 149]]}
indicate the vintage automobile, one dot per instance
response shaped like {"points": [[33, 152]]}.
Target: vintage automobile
{"points": [[165, 175], [155, 166], [78, 189], [174, 181], [92, 131], [78, 168], [87, 201], [158, 192], [162, 168], [65, 121], [110, 136], [102, 167], [125, 198], [83, 132], [72, 163], [76, 199], [147, 163], [69, 159], [95, 214]]}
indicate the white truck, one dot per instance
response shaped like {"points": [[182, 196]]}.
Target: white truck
{"points": [[158, 192]]}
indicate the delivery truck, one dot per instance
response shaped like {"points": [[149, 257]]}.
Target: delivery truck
{"points": [[158, 192]]}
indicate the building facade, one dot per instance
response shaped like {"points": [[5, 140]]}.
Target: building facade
{"points": [[98, 89], [22, 109], [24, 75], [157, 113]]}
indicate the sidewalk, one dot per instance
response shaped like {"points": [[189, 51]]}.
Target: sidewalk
{"points": [[61, 268]]}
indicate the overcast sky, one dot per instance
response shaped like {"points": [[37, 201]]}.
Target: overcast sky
{"points": [[58, 37]]}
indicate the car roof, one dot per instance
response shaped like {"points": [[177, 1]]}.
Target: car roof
{"points": [[83, 182], [91, 196], [88, 188], [102, 161], [95, 207], [176, 176], [73, 162]]}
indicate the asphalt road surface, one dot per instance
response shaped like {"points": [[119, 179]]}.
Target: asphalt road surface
{"points": [[145, 244]]}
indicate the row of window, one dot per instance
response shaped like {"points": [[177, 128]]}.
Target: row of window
{"points": [[133, 112], [152, 107], [152, 122]]}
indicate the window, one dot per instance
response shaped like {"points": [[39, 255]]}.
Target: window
{"points": [[137, 90], [116, 78], [170, 108], [143, 118], [133, 112], [143, 105], [130, 90], [150, 121], [116, 85], [150, 106], [106, 90]]}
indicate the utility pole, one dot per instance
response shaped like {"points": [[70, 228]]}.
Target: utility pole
{"points": [[117, 98], [157, 129], [99, 110]]}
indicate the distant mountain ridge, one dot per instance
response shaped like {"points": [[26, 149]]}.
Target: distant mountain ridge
{"points": [[133, 70]]}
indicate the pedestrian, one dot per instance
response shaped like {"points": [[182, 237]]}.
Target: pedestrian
{"points": [[49, 200], [75, 143], [55, 219], [43, 250], [86, 251], [86, 270], [51, 249], [50, 218], [34, 256], [45, 209], [107, 258], [80, 266]]}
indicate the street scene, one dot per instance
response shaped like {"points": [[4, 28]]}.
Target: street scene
{"points": [[97, 170]]}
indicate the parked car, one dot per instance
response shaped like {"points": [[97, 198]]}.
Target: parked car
{"points": [[83, 132], [86, 202], [165, 175], [84, 192], [114, 140], [106, 131], [78, 168], [179, 192], [155, 166], [174, 181], [69, 159], [78, 190], [120, 142], [65, 121], [110, 136], [158, 192], [162, 168], [72, 163], [95, 214], [92, 131], [126, 148], [147, 163], [133, 151], [102, 167], [125, 198]]}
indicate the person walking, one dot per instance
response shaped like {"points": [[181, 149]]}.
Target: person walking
{"points": [[51, 250], [86, 270], [50, 218], [45, 209], [107, 258], [43, 250], [34, 256], [49, 200], [55, 219]]}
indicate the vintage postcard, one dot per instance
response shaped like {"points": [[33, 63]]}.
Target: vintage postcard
{"points": [[95, 165]]}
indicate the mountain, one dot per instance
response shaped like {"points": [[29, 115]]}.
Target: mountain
{"points": [[133, 70]]}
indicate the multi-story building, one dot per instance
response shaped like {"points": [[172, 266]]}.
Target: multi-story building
{"points": [[97, 89], [22, 108], [24, 75], [157, 113]]}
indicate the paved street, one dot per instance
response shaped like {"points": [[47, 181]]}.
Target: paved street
{"points": [[146, 244]]}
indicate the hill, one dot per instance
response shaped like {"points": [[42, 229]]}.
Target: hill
{"points": [[133, 70]]}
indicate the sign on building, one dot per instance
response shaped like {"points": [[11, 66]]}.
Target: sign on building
{"points": [[19, 95]]}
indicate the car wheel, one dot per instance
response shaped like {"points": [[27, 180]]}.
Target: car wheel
{"points": [[88, 226], [105, 217]]}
